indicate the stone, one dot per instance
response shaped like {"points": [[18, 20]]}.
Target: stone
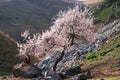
{"points": [[82, 76], [73, 71], [26, 71], [55, 77]]}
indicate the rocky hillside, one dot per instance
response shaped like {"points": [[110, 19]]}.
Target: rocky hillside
{"points": [[100, 60], [18, 15], [8, 51]]}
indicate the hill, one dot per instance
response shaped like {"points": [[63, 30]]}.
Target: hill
{"points": [[106, 66], [107, 11], [8, 51], [19, 15]]}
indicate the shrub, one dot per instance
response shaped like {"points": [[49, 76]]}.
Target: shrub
{"points": [[117, 45], [102, 52], [110, 49], [90, 56]]}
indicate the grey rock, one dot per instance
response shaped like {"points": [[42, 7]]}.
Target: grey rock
{"points": [[73, 71], [82, 76], [55, 77]]}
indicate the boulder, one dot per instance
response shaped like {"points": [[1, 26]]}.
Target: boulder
{"points": [[73, 71], [55, 77], [82, 76], [26, 71]]}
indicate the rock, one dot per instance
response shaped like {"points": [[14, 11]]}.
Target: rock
{"points": [[106, 32], [73, 71], [82, 76], [26, 71], [55, 77]]}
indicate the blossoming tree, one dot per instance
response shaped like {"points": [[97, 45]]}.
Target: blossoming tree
{"points": [[69, 28]]}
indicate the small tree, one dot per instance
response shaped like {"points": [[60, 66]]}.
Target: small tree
{"points": [[69, 28]]}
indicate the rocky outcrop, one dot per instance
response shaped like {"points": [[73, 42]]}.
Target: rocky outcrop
{"points": [[106, 32]]}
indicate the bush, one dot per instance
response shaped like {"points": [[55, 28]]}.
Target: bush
{"points": [[102, 52], [117, 45], [110, 49], [90, 56]]}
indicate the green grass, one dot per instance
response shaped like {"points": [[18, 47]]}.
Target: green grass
{"points": [[110, 51], [90, 56], [107, 12], [104, 15]]}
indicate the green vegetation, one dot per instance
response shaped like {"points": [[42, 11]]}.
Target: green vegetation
{"points": [[107, 48], [8, 51], [117, 45], [108, 11], [111, 52], [90, 56], [102, 52]]}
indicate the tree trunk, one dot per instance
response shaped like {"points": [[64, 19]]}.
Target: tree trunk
{"points": [[58, 60]]}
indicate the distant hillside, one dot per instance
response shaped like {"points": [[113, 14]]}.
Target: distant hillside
{"points": [[19, 15], [8, 51]]}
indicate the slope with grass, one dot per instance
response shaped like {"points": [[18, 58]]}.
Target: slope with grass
{"points": [[107, 11], [106, 63], [8, 51]]}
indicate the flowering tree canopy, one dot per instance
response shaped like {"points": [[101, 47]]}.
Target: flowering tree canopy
{"points": [[69, 28], [75, 24]]}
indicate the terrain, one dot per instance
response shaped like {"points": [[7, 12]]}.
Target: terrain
{"points": [[106, 66], [106, 63], [18, 15], [8, 52]]}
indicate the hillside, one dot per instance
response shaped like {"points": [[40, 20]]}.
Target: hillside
{"points": [[107, 11], [99, 60], [8, 51], [106, 66], [19, 15]]}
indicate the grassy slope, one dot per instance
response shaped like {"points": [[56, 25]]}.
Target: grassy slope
{"points": [[107, 12], [19, 15], [107, 66], [8, 51]]}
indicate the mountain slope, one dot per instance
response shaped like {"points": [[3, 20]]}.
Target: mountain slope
{"points": [[108, 11], [8, 51], [107, 65], [19, 15]]}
